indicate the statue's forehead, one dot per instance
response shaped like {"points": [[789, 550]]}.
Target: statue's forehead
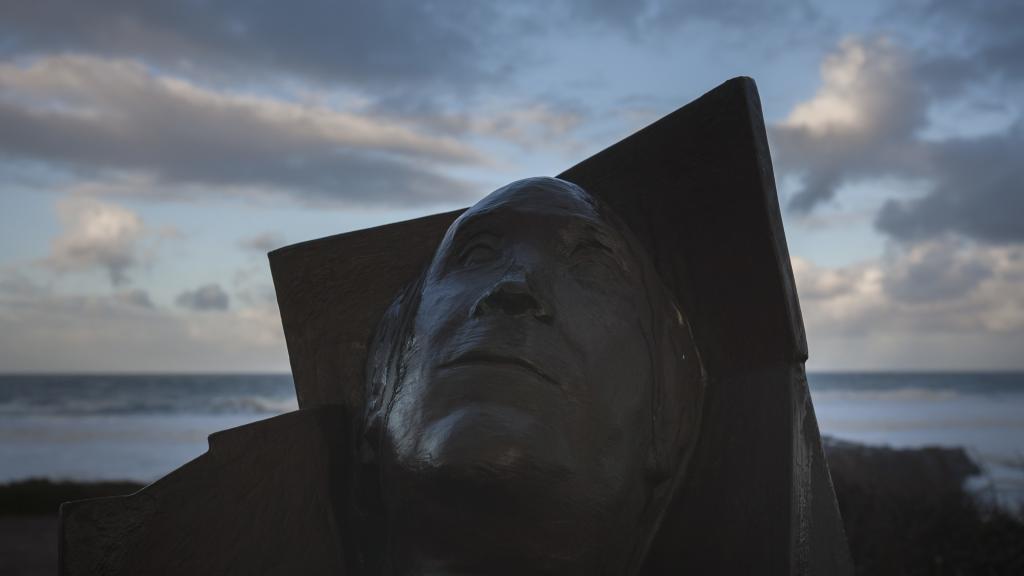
{"points": [[533, 197]]}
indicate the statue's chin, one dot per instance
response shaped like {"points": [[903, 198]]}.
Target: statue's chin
{"points": [[492, 441], [481, 461]]}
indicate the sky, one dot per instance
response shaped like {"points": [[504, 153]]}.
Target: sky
{"points": [[151, 153]]}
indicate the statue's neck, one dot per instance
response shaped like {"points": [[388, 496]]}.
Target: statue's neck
{"points": [[494, 543], [461, 527]]}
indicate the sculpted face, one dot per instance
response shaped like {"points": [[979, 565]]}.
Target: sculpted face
{"points": [[529, 370], [529, 346]]}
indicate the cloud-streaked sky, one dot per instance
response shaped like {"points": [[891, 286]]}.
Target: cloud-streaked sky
{"points": [[151, 153]]}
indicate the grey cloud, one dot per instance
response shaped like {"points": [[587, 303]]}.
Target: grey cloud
{"points": [[407, 42], [818, 186], [262, 243], [988, 37], [136, 297], [206, 297], [647, 15], [935, 271], [258, 295], [947, 285], [946, 75], [548, 122], [860, 124], [96, 235], [44, 330], [392, 47], [866, 122], [978, 191], [100, 116], [14, 284]]}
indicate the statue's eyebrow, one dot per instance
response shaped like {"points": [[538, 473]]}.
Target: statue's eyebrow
{"points": [[599, 235], [472, 226], [595, 231]]}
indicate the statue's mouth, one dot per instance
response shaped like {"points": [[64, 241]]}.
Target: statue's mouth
{"points": [[488, 358]]}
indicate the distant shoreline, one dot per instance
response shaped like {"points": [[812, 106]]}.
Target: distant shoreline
{"points": [[903, 510]]}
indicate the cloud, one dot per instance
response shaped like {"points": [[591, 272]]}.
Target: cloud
{"points": [[884, 314], [403, 43], [527, 125], [866, 123], [860, 123], [936, 270], [978, 191], [947, 285], [204, 298], [14, 283], [646, 16], [262, 243], [398, 47], [116, 120], [96, 235], [136, 297], [843, 300], [979, 40], [43, 330]]}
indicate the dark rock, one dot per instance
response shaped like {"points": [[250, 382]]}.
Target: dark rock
{"points": [[907, 512]]}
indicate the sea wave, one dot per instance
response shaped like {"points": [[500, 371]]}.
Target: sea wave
{"points": [[254, 405], [841, 425], [913, 394], [123, 406], [125, 395], [918, 385]]}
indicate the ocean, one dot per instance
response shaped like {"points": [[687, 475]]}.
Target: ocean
{"points": [[140, 427]]}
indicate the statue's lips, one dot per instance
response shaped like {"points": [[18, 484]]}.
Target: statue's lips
{"points": [[488, 358]]}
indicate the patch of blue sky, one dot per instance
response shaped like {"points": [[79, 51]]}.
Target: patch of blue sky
{"points": [[29, 224], [982, 113]]}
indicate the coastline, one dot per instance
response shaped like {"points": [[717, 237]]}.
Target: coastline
{"points": [[904, 510]]}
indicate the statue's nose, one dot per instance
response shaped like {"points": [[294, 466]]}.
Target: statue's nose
{"points": [[512, 296]]}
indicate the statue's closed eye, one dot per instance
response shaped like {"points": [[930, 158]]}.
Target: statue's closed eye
{"points": [[592, 260], [590, 248], [478, 252]]}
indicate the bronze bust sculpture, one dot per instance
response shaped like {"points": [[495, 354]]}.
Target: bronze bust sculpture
{"points": [[599, 373], [540, 372]]}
